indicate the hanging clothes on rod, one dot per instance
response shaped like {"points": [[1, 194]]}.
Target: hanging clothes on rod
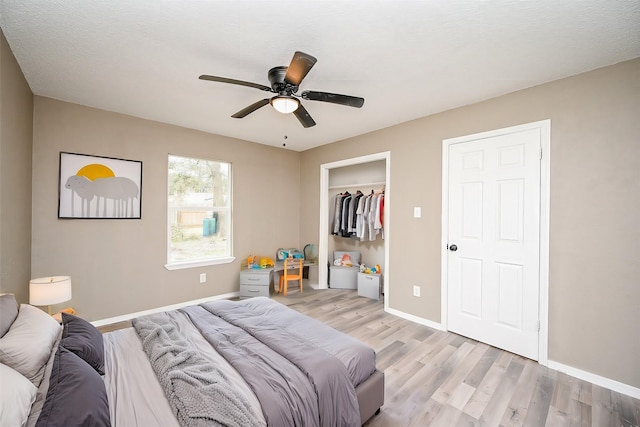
{"points": [[372, 217], [364, 218], [353, 216], [358, 216], [337, 216], [379, 215], [344, 220]]}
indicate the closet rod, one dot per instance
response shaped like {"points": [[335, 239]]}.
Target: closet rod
{"points": [[361, 185]]}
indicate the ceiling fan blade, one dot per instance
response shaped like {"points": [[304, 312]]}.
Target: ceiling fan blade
{"points": [[334, 98], [299, 67], [303, 116], [250, 109], [235, 82]]}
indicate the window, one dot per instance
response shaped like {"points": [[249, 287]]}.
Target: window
{"points": [[199, 207]]}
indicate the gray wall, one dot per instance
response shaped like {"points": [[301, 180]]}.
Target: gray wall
{"points": [[595, 199], [16, 124], [117, 266]]}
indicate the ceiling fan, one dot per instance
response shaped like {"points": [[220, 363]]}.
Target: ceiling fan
{"points": [[285, 82]]}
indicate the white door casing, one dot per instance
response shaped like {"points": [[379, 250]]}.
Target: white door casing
{"points": [[493, 221], [323, 237]]}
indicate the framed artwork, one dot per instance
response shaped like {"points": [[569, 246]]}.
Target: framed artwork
{"points": [[94, 187]]}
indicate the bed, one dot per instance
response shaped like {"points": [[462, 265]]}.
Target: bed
{"points": [[252, 362]]}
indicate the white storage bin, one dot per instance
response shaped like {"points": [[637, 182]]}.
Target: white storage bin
{"points": [[369, 285], [341, 277]]}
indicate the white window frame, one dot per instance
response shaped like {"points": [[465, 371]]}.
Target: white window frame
{"points": [[204, 261]]}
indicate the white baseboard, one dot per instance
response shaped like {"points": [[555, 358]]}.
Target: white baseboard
{"points": [[415, 319], [596, 379], [569, 370], [130, 316]]}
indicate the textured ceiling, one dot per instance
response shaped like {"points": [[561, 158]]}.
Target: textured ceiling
{"points": [[408, 59]]}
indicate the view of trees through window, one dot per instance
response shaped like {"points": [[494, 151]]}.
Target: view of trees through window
{"points": [[199, 203]]}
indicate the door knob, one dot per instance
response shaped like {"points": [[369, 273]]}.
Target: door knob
{"points": [[453, 248]]}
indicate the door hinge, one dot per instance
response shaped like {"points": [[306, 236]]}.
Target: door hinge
{"points": [[540, 153], [538, 326]]}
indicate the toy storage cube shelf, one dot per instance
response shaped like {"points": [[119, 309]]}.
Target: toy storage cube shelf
{"points": [[254, 283], [369, 285]]}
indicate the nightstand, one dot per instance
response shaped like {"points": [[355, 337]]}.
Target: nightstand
{"points": [[58, 315], [255, 282], [369, 285]]}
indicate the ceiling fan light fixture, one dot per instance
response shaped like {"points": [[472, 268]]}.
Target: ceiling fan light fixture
{"points": [[285, 82], [285, 104]]}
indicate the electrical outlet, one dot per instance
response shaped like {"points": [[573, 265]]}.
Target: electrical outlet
{"points": [[416, 290], [203, 277]]}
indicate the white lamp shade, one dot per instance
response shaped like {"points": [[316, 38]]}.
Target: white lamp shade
{"points": [[49, 290], [285, 104]]}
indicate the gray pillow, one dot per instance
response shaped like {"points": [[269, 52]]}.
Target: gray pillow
{"points": [[28, 344], [83, 339], [76, 396], [18, 394], [8, 312]]}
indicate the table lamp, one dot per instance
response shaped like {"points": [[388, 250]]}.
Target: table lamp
{"points": [[49, 290]]}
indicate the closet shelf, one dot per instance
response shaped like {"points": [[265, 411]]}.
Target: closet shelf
{"points": [[359, 185]]}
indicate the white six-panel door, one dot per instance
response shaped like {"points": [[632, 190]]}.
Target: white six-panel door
{"points": [[494, 240]]}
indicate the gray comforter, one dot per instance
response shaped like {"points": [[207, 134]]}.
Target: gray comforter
{"points": [[302, 372]]}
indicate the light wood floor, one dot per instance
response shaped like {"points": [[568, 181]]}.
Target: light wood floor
{"points": [[436, 378]]}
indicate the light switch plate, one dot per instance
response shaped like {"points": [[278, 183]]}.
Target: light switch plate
{"points": [[417, 212]]}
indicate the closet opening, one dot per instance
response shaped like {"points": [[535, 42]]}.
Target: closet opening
{"points": [[361, 176]]}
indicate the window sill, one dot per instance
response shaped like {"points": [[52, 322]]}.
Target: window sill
{"points": [[200, 263]]}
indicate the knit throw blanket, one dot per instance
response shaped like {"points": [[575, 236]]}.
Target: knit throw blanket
{"points": [[199, 393]]}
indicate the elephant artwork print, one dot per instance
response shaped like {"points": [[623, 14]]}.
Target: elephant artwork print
{"points": [[94, 187]]}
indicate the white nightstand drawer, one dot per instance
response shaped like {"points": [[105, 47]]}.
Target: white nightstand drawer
{"points": [[249, 277], [249, 291]]}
